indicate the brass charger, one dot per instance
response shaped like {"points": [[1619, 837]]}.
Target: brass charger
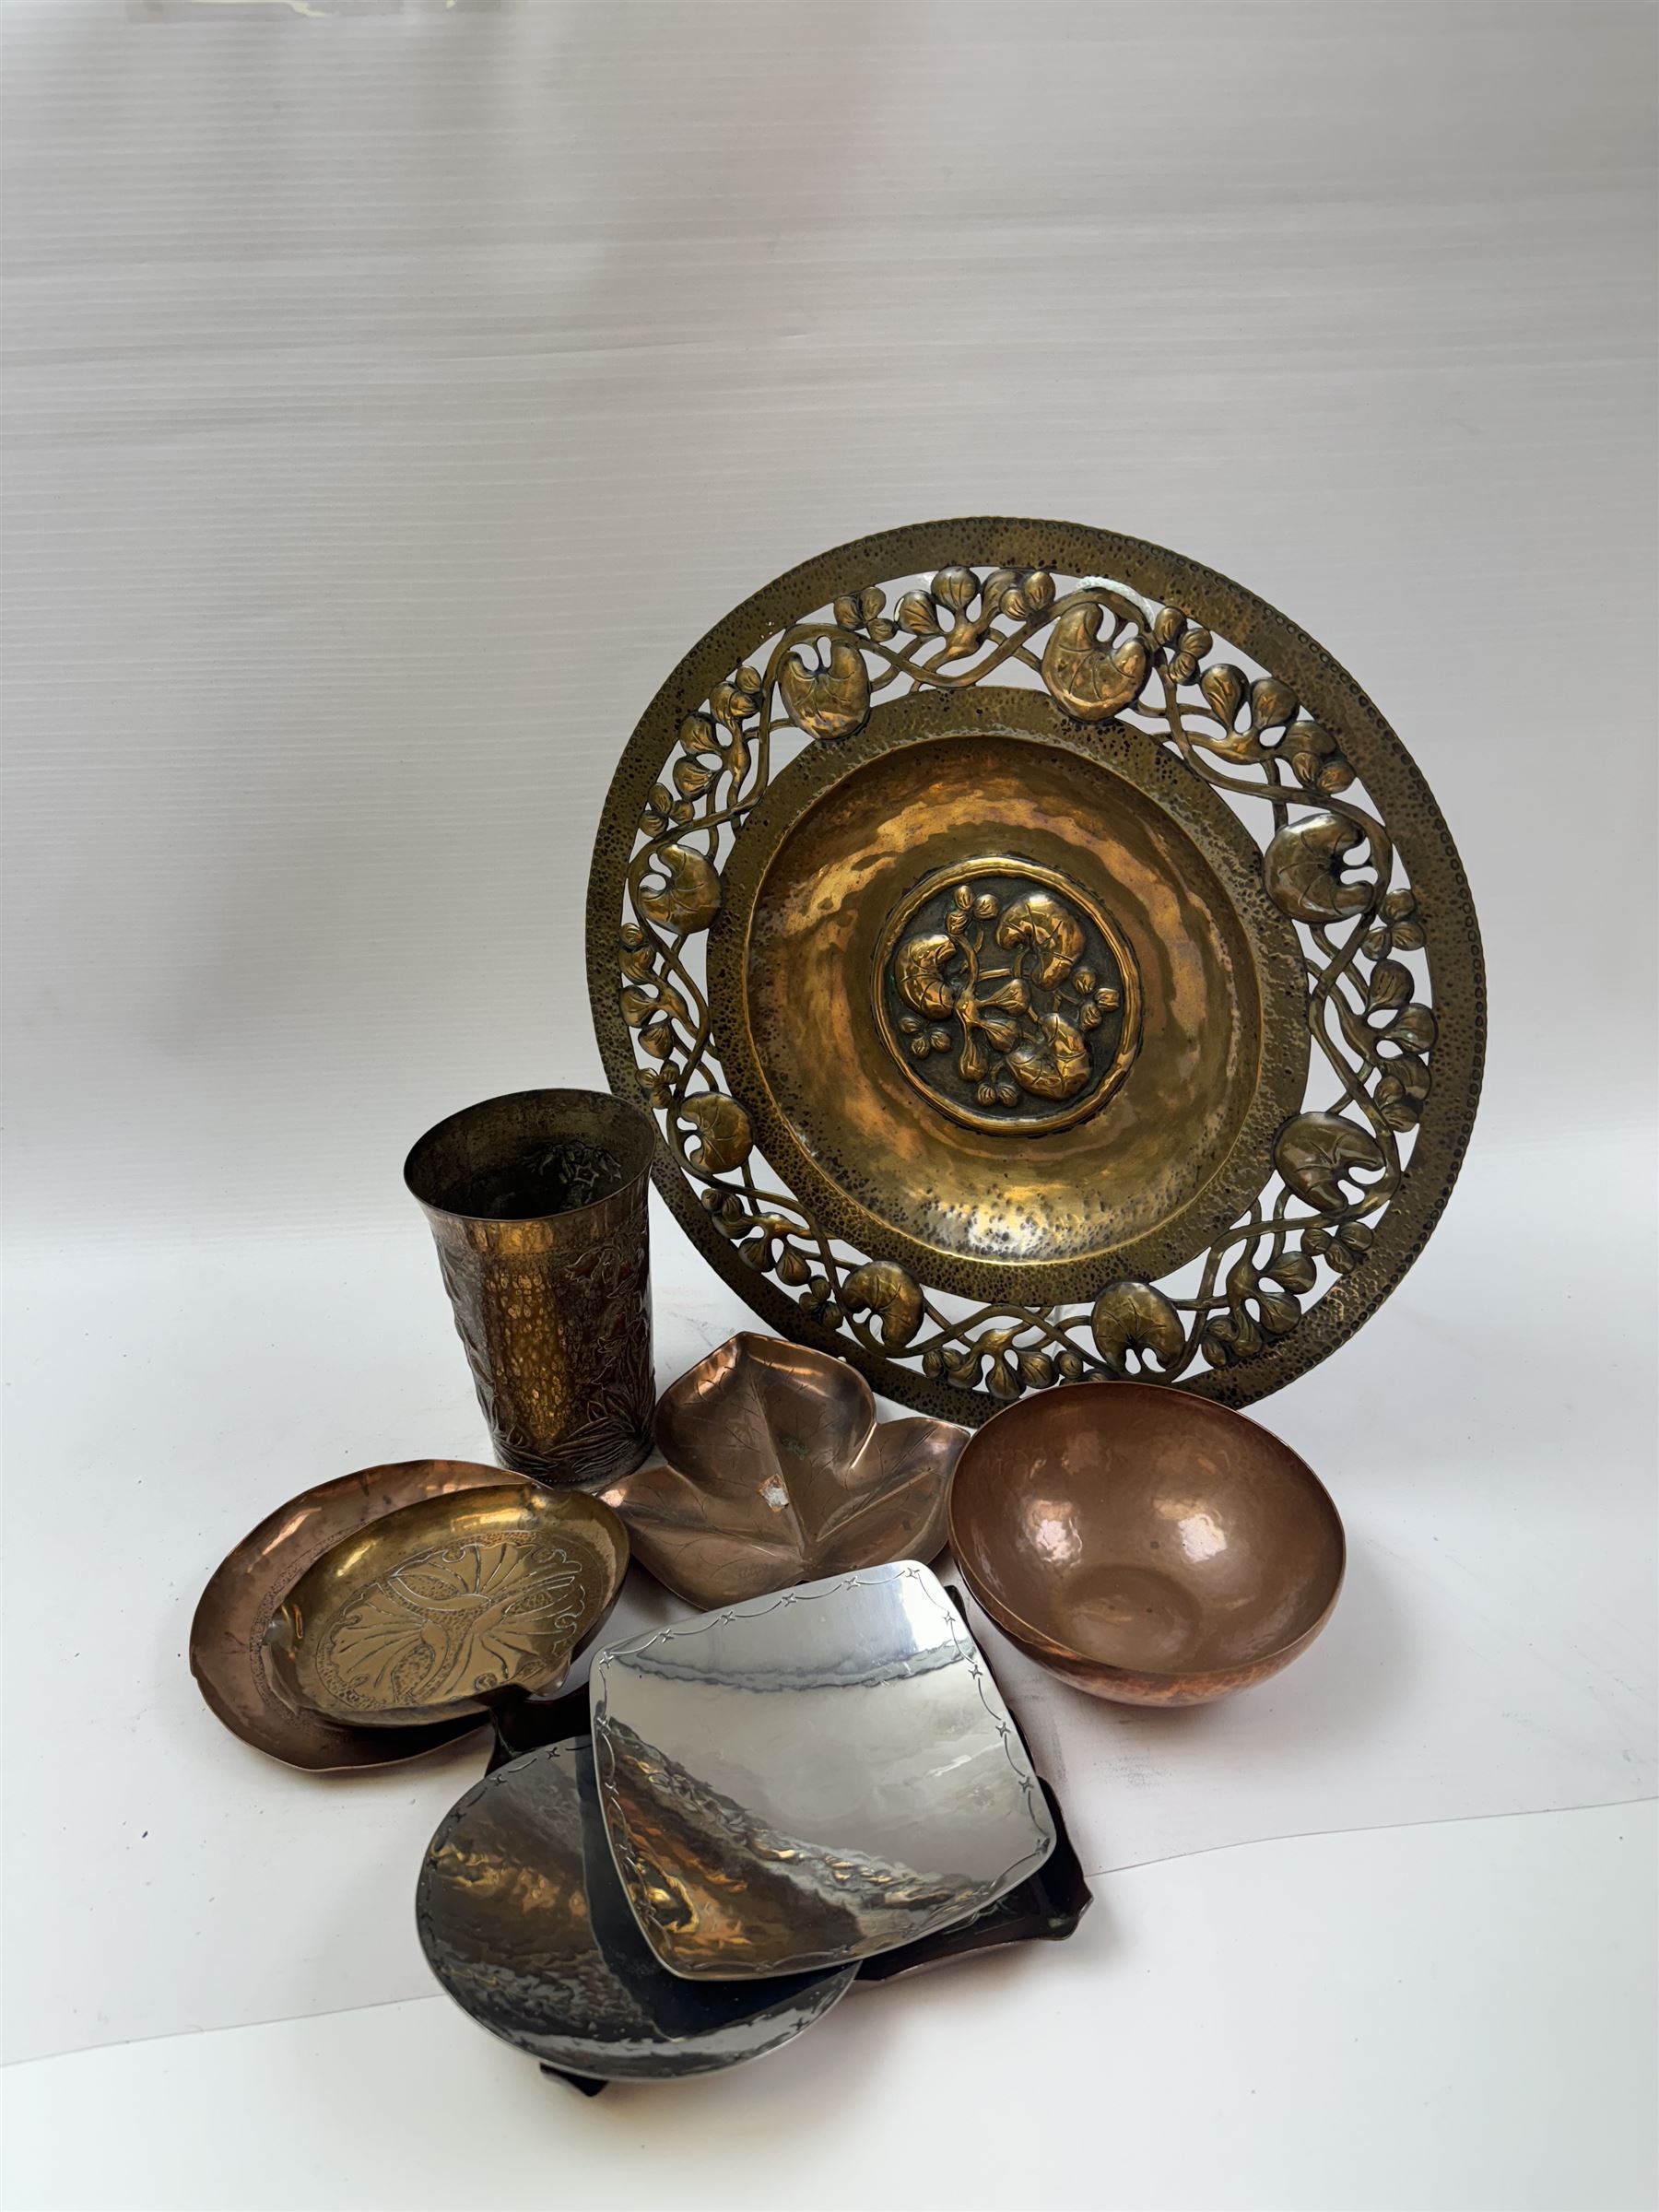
{"points": [[1043, 961]]}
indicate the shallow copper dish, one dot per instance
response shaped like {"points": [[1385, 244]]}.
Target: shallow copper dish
{"points": [[1149, 1546], [966, 905], [442, 1606], [522, 1919], [227, 1635], [772, 1469]]}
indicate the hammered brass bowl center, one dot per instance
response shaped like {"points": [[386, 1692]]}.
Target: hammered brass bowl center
{"points": [[442, 1605], [1011, 993], [1144, 1544]]}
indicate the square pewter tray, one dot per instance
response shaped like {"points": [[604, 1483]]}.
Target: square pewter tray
{"points": [[812, 1777]]}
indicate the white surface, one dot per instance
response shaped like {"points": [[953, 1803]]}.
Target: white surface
{"points": [[1457, 2016], [390, 400]]}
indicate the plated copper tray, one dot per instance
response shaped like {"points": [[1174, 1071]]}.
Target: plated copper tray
{"points": [[1043, 961]]}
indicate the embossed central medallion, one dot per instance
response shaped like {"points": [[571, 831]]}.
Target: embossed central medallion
{"points": [[1007, 995]]}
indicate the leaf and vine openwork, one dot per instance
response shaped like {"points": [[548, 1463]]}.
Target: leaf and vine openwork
{"points": [[1010, 998]]}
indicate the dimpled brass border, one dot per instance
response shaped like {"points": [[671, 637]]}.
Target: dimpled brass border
{"points": [[1443, 912]]}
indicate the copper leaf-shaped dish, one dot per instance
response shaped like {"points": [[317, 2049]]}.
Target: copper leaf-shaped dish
{"points": [[771, 1470]]}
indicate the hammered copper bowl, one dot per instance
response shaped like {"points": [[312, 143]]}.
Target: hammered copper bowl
{"points": [[1146, 1544]]}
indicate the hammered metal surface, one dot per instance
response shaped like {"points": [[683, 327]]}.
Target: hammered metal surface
{"points": [[1148, 1547], [523, 1921], [811, 1778], [1180, 1134], [1297, 1179]]}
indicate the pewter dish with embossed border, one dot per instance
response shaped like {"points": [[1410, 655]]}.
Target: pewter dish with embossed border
{"points": [[1046, 1907], [1044, 963], [771, 1468], [445, 1605], [523, 1921], [227, 1653], [811, 1778]]}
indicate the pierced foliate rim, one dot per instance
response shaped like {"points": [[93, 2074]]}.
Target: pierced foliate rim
{"points": [[1103, 654]]}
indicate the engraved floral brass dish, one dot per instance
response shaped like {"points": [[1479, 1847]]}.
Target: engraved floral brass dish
{"points": [[1144, 1545], [228, 1655], [773, 1469], [446, 1603], [811, 1778], [523, 1921], [1043, 962]]}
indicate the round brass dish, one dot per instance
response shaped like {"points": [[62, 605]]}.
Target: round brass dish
{"points": [[227, 1653], [1145, 1546], [1044, 963], [447, 1603]]}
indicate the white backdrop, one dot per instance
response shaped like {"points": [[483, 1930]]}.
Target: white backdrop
{"points": [[393, 395]]}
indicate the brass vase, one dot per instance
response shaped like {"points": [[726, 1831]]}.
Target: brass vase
{"points": [[536, 1202]]}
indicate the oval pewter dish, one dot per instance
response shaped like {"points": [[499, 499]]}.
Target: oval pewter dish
{"points": [[523, 1921]]}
